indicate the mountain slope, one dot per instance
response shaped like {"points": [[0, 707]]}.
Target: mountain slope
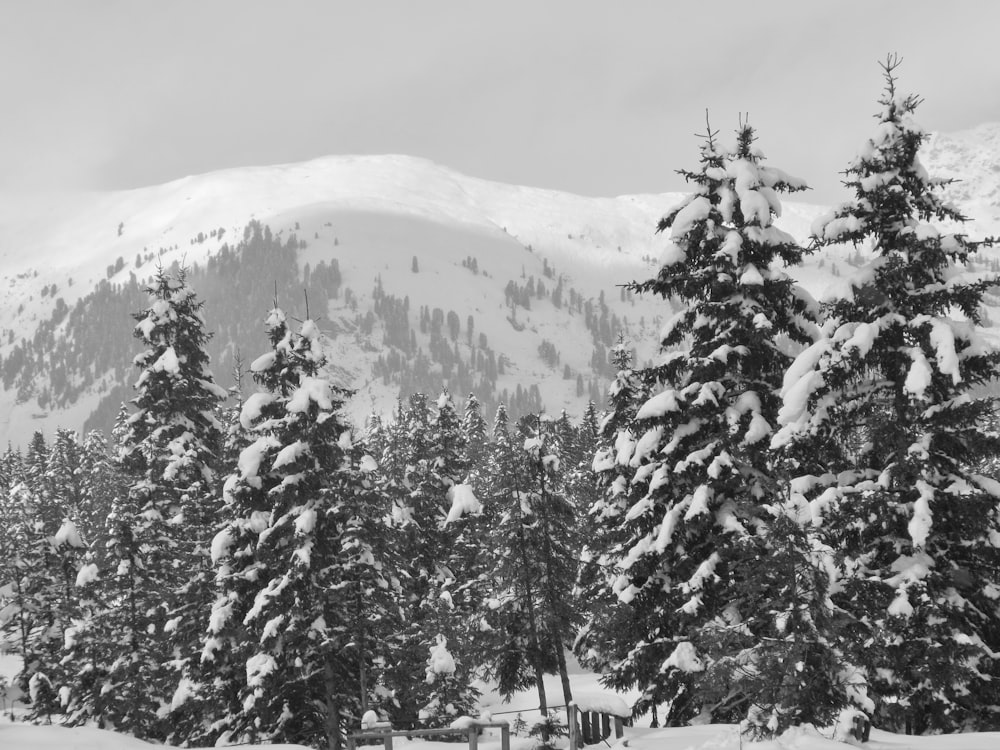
{"points": [[388, 233]]}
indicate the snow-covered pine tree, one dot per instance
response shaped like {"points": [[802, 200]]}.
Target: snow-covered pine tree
{"points": [[176, 437], [65, 552], [476, 432], [405, 464], [194, 704], [530, 575], [300, 567], [234, 436], [424, 464], [604, 638], [11, 468], [85, 658], [43, 549], [456, 598], [513, 650], [157, 581], [66, 478], [892, 398], [100, 482], [449, 696], [554, 531], [690, 477]]}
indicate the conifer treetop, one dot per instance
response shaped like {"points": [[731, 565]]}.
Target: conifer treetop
{"points": [[916, 287], [893, 194]]}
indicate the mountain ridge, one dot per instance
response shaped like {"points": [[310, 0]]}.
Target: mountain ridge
{"points": [[378, 216]]}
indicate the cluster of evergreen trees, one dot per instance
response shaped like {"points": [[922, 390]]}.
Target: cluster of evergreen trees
{"points": [[798, 513], [258, 571], [790, 513]]}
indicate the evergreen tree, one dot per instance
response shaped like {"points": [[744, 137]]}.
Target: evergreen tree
{"points": [[36, 461], [601, 641], [300, 569], [690, 483], [515, 655], [556, 531], [43, 548], [158, 529], [65, 476], [476, 432], [891, 397], [423, 464], [531, 561], [85, 657]]}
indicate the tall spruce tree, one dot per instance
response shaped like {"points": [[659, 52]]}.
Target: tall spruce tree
{"points": [[554, 530], [423, 464], [85, 658], [43, 549], [601, 641], [300, 568], [159, 525], [892, 398], [530, 563], [455, 599], [690, 481]]}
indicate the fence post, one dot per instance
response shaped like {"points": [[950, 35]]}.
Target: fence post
{"points": [[473, 737], [595, 726], [573, 720], [619, 730], [505, 736]]}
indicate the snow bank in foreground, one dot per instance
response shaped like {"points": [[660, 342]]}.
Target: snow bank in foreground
{"points": [[29, 737], [705, 737], [727, 737], [588, 692]]}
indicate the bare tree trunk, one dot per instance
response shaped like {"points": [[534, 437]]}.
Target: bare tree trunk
{"points": [[362, 664], [543, 706], [564, 676], [333, 737]]}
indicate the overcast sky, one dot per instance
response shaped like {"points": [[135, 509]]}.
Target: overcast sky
{"points": [[591, 96]]}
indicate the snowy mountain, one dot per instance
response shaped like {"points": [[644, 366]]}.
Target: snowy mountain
{"points": [[411, 253]]}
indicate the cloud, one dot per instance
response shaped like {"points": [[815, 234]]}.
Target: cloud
{"points": [[579, 95]]}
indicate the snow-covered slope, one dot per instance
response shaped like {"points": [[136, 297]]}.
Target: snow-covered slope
{"points": [[374, 214], [972, 159]]}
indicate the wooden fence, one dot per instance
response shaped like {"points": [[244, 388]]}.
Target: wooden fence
{"points": [[591, 727], [471, 732]]}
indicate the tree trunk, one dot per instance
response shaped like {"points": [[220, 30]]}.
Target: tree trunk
{"points": [[564, 676], [535, 643], [334, 740], [543, 706], [362, 665]]}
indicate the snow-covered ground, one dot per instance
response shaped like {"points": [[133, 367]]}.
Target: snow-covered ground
{"points": [[19, 736]]}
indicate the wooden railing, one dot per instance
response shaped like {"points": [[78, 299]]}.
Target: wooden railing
{"points": [[471, 732]]}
